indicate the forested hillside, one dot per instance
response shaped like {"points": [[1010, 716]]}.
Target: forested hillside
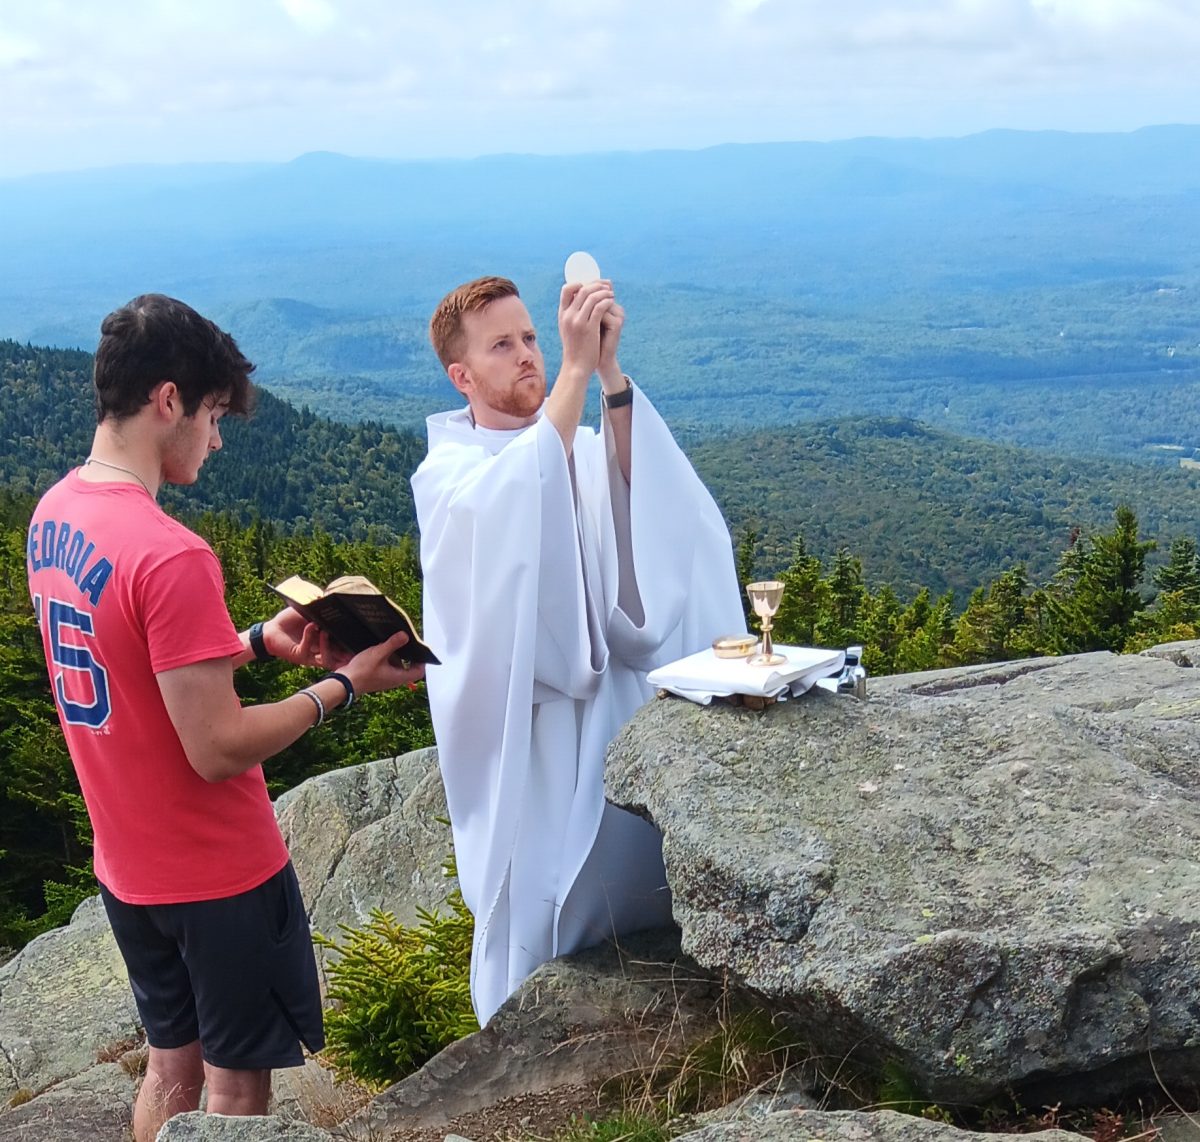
{"points": [[284, 464], [922, 508], [926, 509], [1109, 366]]}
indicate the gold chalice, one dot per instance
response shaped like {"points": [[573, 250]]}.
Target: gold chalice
{"points": [[765, 598]]}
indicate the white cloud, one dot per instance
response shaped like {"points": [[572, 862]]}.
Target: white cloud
{"points": [[741, 8], [1102, 13], [171, 79], [16, 50], [312, 16]]}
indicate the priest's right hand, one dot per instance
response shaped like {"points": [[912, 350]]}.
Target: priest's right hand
{"points": [[581, 310]]}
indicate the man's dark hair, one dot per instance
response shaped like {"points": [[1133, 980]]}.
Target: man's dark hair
{"points": [[155, 338]]}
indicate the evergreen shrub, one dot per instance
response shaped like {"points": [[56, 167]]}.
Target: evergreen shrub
{"points": [[399, 994]]}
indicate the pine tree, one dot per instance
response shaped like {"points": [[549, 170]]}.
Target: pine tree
{"points": [[1181, 576], [805, 596], [1010, 635], [1094, 599], [996, 624], [881, 616], [841, 625], [1108, 597], [924, 628], [1175, 615], [972, 632], [747, 547]]}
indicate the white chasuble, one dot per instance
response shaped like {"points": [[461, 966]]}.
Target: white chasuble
{"points": [[551, 588]]}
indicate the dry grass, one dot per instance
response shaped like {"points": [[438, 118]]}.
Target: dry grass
{"points": [[113, 1052], [330, 1108], [687, 1063], [130, 1053], [315, 1095], [134, 1062]]}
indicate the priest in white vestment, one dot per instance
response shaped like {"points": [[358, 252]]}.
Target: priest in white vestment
{"points": [[561, 564]]}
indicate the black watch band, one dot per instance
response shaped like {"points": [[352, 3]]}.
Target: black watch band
{"points": [[346, 684], [621, 399], [261, 653]]}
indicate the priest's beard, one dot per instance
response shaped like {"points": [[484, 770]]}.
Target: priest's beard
{"points": [[522, 400]]}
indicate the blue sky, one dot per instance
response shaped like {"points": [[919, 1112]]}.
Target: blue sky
{"points": [[85, 83]]}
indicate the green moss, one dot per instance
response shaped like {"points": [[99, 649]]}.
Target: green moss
{"points": [[623, 1126], [899, 1091]]}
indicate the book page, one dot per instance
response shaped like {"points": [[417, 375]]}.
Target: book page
{"points": [[352, 585], [300, 590]]}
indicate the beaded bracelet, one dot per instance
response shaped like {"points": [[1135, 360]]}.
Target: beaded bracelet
{"points": [[316, 701]]}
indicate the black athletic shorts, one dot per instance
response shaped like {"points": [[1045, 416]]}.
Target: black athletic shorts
{"points": [[236, 973]]}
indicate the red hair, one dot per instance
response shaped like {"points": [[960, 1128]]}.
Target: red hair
{"points": [[446, 324]]}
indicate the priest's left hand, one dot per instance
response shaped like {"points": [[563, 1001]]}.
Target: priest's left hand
{"points": [[611, 325]]}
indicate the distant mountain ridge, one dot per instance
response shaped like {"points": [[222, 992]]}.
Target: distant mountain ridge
{"points": [[1159, 159], [1041, 288]]}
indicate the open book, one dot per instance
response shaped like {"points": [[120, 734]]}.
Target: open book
{"points": [[356, 613]]}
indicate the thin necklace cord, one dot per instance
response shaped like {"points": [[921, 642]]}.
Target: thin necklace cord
{"points": [[118, 468]]}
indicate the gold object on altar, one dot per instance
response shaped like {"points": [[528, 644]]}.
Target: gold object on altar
{"points": [[735, 645], [765, 597]]}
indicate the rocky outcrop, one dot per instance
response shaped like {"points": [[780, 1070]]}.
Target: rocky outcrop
{"points": [[989, 876], [63, 1001], [575, 1026], [853, 1126], [372, 836], [90, 1107], [200, 1127]]}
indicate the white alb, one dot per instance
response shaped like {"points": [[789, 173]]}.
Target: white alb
{"points": [[551, 588]]}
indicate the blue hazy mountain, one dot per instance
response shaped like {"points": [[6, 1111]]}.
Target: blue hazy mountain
{"points": [[1039, 287]]}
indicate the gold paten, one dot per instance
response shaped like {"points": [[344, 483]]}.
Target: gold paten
{"points": [[735, 645]]}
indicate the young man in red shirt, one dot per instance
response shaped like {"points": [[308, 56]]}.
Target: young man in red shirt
{"points": [[141, 651]]}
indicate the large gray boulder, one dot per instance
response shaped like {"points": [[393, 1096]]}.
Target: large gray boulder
{"points": [[370, 836], [854, 1126], [91, 1107], [63, 999], [990, 876]]}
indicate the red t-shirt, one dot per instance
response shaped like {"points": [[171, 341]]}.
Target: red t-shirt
{"points": [[122, 592]]}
